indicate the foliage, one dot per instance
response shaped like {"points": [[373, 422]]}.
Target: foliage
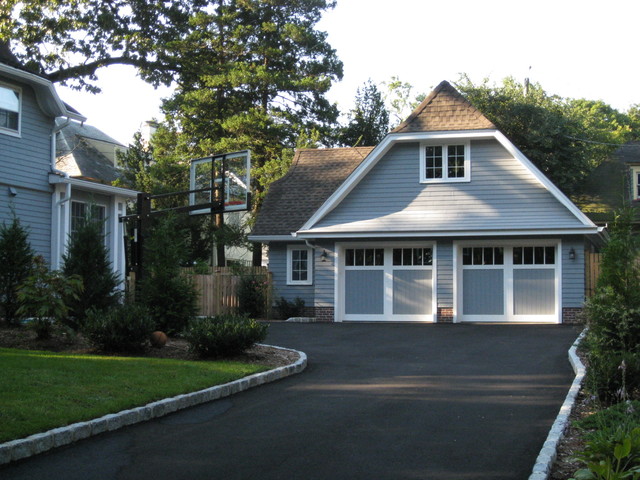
{"points": [[565, 138], [68, 41], [286, 309], [612, 451], [45, 390], [170, 297], [253, 292], [87, 257], [613, 313], [368, 121], [123, 328], [16, 257], [610, 418], [612, 376], [224, 335], [43, 295], [401, 102]]}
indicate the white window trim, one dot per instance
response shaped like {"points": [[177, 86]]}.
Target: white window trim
{"points": [[8, 131], [445, 148], [635, 188], [310, 256]]}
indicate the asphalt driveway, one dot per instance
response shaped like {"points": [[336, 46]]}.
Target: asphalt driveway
{"points": [[377, 401]]}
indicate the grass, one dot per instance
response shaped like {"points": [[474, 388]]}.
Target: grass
{"points": [[44, 390]]}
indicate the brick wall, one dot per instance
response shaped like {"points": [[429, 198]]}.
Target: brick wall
{"points": [[445, 315], [324, 314], [572, 315]]}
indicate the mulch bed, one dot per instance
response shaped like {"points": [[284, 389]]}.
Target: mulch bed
{"points": [[176, 348]]}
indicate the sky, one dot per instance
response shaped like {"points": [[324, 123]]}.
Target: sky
{"points": [[577, 49]]}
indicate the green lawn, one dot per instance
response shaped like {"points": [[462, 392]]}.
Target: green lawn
{"points": [[44, 390]]}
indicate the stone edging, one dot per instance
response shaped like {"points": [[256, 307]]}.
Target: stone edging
{"points": [[547, 455], [41, 442]]}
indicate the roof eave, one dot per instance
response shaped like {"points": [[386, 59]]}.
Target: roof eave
{"points": [[46, 94]]}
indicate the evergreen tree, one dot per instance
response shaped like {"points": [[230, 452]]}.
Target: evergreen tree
{"points": [[369, 120], [16, 260], [87, 257], [170, 297]]}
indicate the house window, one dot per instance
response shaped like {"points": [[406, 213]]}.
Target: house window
{"points": [[444, 163], [635, 175], [412, 256], [79, 211], [299, 265], [482, 256], [364, 257], [534, 255], [9, 110]]}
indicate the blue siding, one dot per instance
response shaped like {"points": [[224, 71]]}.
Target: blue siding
{"points": [[25, 163], [502, 193], [573, 273], [278, 267], [324, 278], [444, 273]]}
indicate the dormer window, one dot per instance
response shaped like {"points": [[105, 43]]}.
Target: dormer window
{"points": [[9, 110], [444, 162]]}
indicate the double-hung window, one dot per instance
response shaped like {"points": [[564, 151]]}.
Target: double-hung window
{"points": [[444, 162], [79, 215], [10, 100], [299, 265]]}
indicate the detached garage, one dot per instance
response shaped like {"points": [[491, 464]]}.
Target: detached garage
{"points": [[444, 221]]}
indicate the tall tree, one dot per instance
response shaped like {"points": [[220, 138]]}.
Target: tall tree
{"points": [[68, 41], [369, 120], [400, 99], [254, 76], [565, 138]]}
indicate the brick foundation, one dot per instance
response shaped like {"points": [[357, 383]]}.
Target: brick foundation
{"points": [[323, 314], [445, 315], [573, 315]]}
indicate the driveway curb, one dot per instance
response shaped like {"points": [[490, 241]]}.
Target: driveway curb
{"points": [[546, 457], [41, 442]]}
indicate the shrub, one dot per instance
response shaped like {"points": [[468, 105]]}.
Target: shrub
{"points": [[16, 258], [613, 314], [170, 297], [88, 257], [612, 448], [253, 295], [286, 309], [43, 296], [123, 328], [613, 377], [224, 335]]}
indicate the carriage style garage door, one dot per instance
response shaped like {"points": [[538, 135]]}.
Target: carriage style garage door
{"points": [[514, 283], [387, 283]]}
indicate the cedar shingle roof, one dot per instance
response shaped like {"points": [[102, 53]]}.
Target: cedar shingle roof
{"points": [[314, 175], [444, 109]]}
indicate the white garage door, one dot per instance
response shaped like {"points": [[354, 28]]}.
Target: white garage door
{"points": [[513, 283], [387, 283]]}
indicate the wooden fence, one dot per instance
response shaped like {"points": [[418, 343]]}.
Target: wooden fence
{"points": [[591, 272], [218, 290]]}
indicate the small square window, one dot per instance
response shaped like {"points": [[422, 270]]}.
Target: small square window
{"points": [[445, 163]]}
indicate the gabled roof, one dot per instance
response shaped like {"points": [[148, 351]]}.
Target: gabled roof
{"points": [[444, 109], [76, 156], [314, 175]]}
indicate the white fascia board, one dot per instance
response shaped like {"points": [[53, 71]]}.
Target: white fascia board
{"points": [[93, 186], [46, 93], [541, 177], [450, 233], [270, 238], [377, 153]]}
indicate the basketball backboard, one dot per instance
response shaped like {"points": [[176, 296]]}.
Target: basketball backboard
{"points": [[226, 175]]}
